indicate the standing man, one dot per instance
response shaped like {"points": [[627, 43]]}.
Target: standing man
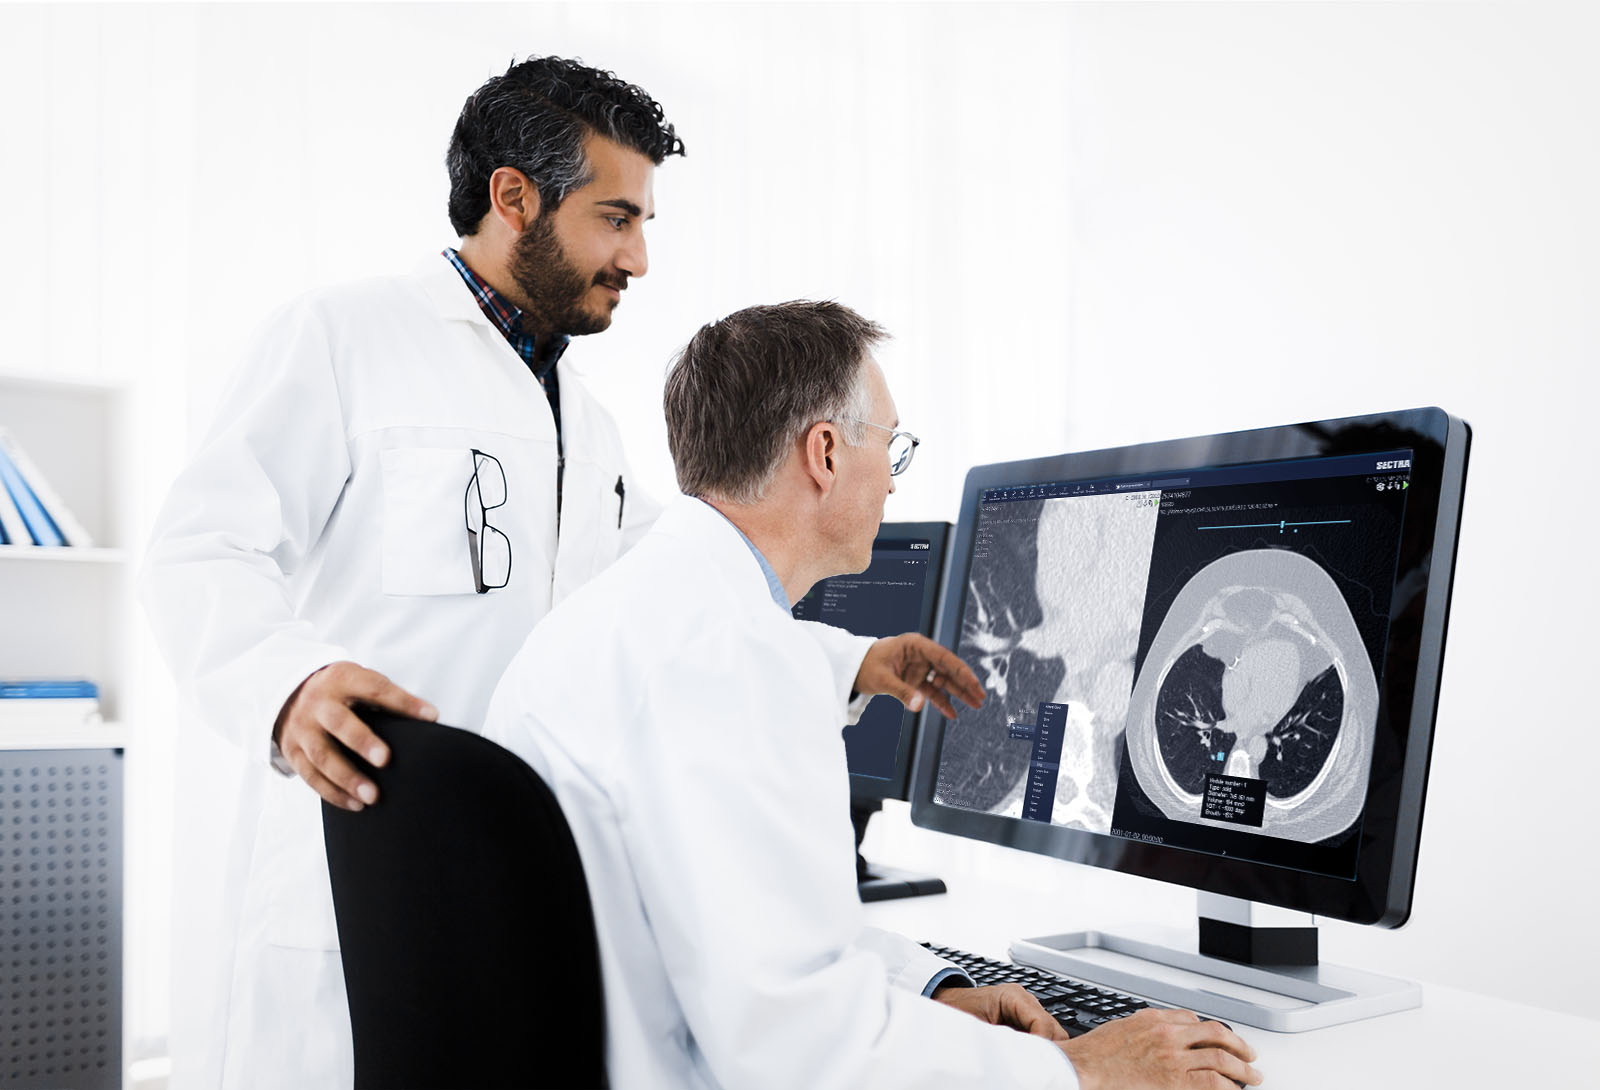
{"points": [[688, 730], [403, 478]]}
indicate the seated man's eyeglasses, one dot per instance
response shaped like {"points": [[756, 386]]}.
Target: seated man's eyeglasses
{"points": [[902, 445], [491, 549]]}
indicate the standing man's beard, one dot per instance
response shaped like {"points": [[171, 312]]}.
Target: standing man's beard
{"points": [[554, 286]]}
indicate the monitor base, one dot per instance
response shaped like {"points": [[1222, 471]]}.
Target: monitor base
{"points": [[878, 883], [1284, 998]]}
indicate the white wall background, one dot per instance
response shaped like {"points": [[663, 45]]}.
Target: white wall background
{"points": [[1087, 225]]}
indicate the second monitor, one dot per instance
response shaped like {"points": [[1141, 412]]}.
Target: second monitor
{"points": [[897, 593]]}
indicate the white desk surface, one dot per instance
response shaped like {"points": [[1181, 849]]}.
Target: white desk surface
{"points": [[1456, 1041]]}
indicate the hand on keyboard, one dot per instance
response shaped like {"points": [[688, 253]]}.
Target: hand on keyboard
{"points": [[1161, 1049], [1004, 1005], [1117, 1040]]}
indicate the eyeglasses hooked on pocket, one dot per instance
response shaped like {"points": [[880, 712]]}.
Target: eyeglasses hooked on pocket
{"points": [[421, 532], [490, 548]]}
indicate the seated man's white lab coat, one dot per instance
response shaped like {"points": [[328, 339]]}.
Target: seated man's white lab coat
{"points": [[691, 730]]}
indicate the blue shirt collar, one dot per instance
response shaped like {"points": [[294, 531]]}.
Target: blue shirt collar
{"points": [[774, 584]]}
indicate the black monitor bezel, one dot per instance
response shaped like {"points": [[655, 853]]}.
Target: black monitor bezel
{"points": [[938, 536], [1381, 892]]}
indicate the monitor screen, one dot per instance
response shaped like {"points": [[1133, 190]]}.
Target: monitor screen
{"points": [[1192, 661], [897, 593]]}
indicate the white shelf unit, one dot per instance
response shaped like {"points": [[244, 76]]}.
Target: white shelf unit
{"points": [[94, 554], [106, 735], [66, 611]]}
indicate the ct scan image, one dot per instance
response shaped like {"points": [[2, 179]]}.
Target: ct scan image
{"points": [[1053, 608], [1257, 680]]}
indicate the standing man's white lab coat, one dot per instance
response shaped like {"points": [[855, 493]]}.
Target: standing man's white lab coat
{"points": [[690, 730], [322, 519]]}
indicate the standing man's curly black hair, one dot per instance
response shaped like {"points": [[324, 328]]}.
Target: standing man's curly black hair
{"points": [[535, 118]]}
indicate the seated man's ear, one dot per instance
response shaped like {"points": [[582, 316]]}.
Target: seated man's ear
{"points": [[819, 448]]}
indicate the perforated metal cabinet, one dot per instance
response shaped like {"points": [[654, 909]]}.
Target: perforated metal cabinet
{"points": [[60, 919]]}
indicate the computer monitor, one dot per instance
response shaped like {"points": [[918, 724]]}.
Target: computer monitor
{"points": [[898, 592], [1212, 662]]}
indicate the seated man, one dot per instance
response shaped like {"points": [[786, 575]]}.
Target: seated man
{"points": [[690, 730]]}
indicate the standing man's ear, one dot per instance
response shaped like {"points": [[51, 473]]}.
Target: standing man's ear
{"points": [[513, 199], [817, 453]]}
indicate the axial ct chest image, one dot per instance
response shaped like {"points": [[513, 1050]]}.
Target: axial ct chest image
{"points": [[1290, 702]]}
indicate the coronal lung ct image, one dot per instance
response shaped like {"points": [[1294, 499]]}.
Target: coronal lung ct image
{"points": [[1257, 672], [1053, 609]]}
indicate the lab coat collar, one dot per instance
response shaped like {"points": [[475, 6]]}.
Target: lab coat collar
{"points": [[780, 596], [442, 284], [444, 287], [709, 533]]}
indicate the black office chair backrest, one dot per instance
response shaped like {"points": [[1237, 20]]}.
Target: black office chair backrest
{"points": [[465, 926]]}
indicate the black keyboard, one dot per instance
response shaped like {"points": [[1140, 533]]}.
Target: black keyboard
{"points": [[1077, 1006]]}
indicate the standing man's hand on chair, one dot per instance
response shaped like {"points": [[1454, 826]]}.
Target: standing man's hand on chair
{"points": [[317, 717]]}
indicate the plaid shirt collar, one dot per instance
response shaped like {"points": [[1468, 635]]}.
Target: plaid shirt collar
{"points": [[541, 358]]}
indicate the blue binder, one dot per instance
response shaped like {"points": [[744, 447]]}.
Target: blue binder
{"points": [[40, 524], [48, 689]]}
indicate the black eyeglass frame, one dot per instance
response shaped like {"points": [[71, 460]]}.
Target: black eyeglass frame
{"points": [[475, 540]]}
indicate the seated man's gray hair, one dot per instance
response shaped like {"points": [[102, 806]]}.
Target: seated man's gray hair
{"points": [[746, 388]]}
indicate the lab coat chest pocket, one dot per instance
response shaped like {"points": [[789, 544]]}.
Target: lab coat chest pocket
{"points": [[611, 488], [426, 550]]}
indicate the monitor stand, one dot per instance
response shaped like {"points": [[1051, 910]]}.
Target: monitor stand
{"points": [[1285, 988], [879, 883]]}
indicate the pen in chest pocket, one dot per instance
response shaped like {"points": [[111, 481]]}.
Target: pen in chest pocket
{"points": [[622, 495]]}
